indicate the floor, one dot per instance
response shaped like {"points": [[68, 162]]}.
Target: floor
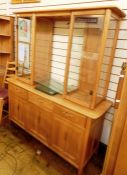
{"points": [[21, 154]]}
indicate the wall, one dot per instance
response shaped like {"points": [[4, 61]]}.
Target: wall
{"points": [[120, 57], [121, 49], [3, 7], [56, 3]]}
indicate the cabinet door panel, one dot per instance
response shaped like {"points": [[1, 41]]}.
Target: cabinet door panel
{"points": [[12, 106], [59, 134], [74, 143], [22, 111], [18, 110], [32, 119], [44, 125], [67, 139]]}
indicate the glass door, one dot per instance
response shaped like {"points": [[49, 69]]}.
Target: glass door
{"points": [[24, 48], [83, 60]]}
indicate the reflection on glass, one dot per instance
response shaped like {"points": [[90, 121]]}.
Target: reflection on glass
{"points": [[106, 58], [84, 57], [54, 85], [24, 48]]}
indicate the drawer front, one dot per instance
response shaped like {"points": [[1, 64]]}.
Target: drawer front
{"points": [[40, 101], [71, 116], [18, 92]]}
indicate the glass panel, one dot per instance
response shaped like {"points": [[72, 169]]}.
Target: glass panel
{"points": [[102, 89], [84, 57], [24, 39]]}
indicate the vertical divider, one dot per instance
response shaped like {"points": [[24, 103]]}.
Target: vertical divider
{"points": [[16, 45], [112, 57], [33, 47], [103, 42], [12, 44], [68, 53]]}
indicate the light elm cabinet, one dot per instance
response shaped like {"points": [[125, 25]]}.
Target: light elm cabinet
{"points": [[71, 51], [71, 134]]}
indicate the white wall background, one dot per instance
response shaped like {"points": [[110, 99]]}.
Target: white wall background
{"points": [[49, 4], [3, 6], [121, 50]]}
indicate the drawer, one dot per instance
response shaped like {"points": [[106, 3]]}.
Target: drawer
{"points": [[67, 114], [40, 101], [18, 92]]}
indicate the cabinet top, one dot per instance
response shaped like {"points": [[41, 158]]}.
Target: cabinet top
{"points": [[115, 9], [93, 114], [5, 17]]}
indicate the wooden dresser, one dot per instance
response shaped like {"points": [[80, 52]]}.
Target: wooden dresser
{"points": [[69, 51], [70, 130]]}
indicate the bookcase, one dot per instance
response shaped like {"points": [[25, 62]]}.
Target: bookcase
{"points": [[6, 43]]}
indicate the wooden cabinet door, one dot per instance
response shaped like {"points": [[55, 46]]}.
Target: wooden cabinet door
{"points": [[59, 134], [44, 126], [67, 139], [18, 110], [32, 119], [22, 111], [11, 107], [74, 143]]}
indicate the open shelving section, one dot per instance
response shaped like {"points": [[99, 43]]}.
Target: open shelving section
{"points": [[6, 43]]}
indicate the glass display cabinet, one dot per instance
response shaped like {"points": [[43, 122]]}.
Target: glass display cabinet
{"points": [[89, 63], [64, 60], [68, 53]]}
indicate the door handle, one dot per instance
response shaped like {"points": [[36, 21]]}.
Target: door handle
{"points": [[120, 85]]}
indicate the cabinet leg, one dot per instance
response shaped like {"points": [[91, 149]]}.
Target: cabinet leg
{"points": [[80, 171], [1, 109]]}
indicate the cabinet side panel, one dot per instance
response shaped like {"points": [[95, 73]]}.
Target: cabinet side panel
{"points": [[44, 29]]}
